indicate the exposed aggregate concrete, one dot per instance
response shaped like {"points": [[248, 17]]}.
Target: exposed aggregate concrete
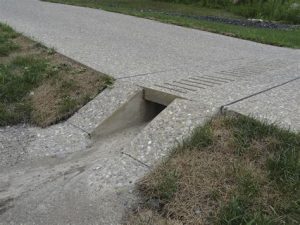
{"points": [[18, 143], [58, 175]]}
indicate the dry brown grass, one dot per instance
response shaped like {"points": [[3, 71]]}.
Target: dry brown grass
{"points": [[65, 87], [149, 217], [73, 82], [205, 181]]}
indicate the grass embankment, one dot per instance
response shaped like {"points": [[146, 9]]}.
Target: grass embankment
{"points": [[234, 170], [278, 10], [175, 13], [40, 86]]}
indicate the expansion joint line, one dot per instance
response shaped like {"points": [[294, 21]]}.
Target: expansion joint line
{"points": [[139, 161], [145, 74], [89, 134], [257, 93]]}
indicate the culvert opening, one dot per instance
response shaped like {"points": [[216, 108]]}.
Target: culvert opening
{"points": [[137, 111]]}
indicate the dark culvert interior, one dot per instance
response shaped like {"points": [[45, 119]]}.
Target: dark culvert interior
{"points": [[134, 114]]}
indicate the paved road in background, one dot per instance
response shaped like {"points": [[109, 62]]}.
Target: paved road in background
{"points": [[122, 45], [165, 57]]}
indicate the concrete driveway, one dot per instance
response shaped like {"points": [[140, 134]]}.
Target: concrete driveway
{"points": [[158, 55], [58, 178]]}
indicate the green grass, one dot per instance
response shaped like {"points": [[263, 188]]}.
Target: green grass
{"points": [[235, 170], [14, 113], [39, 86], [284, 164], [148, 5], [278, 10], [20, 76], [201, 137], [17, 79], [157, 11], [6, 44]]}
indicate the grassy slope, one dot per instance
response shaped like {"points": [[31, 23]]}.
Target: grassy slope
{"points": [[276, 10], [39, 86], [234, 170], [150, 9], [6, 36]]}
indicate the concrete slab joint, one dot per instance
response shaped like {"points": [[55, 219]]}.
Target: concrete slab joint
{"points": [[169, 80]]}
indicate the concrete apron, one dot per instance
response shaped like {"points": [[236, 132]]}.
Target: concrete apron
{"points": [[83, 171], [121, 135]]}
